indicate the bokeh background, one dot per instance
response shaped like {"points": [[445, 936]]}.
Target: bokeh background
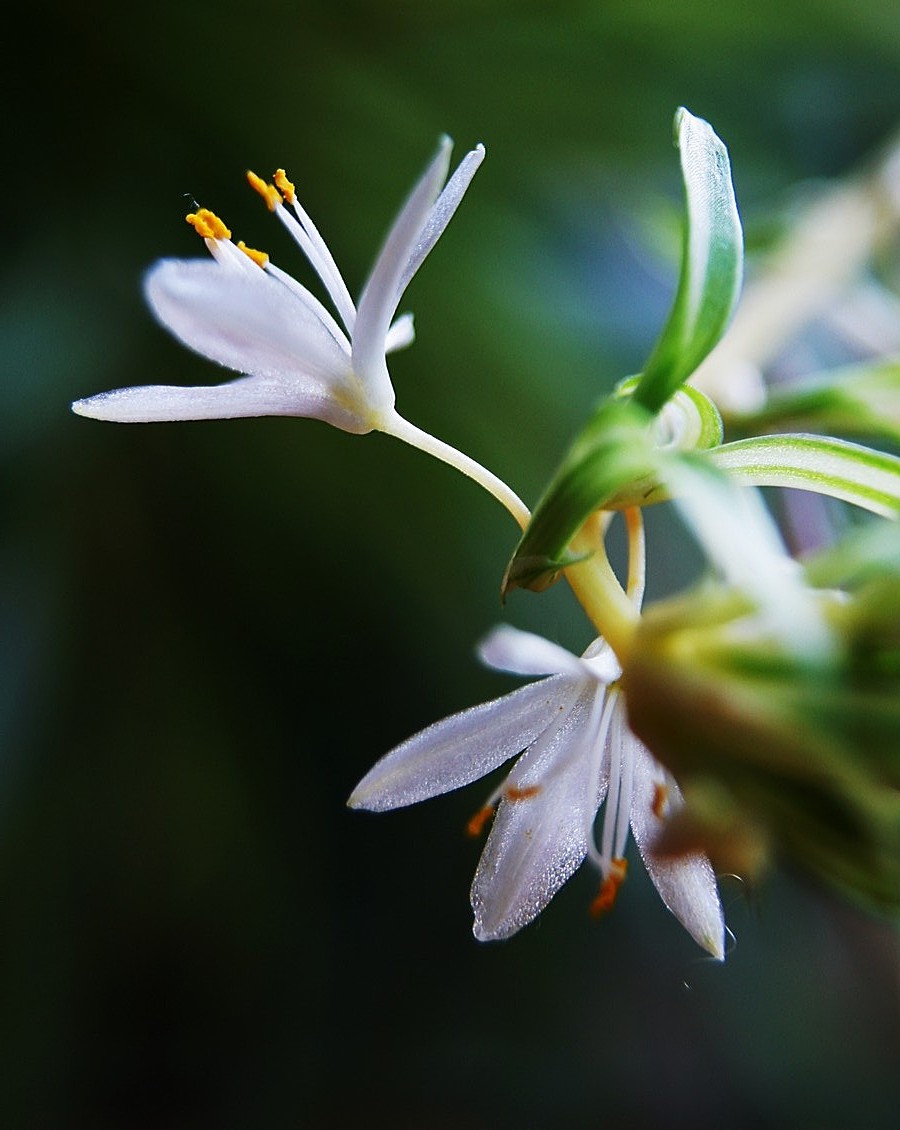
{"points": [[209, 631]]}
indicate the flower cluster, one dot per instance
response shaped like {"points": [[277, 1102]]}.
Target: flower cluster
{"points": [[770, 690]]}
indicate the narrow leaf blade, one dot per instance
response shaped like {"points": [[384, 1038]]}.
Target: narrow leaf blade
{"points": [[848, 471], [711, 263]]}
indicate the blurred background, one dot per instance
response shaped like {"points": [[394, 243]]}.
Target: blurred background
{"points": [[210, 631]]}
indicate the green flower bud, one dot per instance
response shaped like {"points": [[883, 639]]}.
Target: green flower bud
{"points": [[797, 753]]}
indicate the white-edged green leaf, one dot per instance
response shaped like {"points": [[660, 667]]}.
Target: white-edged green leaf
{"points": [[849, 471], [858, 400], [711, 263]]}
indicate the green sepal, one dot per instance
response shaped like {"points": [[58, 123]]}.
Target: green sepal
{"points": [[615, 462], [613, 454], [712, 263]]}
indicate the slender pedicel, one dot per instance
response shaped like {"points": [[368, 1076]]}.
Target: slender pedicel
{"points": [[598, 590], [402, 429]]}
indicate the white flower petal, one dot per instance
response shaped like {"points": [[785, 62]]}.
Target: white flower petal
{"points": [[246, 396], [382, 292], [539, 836], [686, 884], [401, 334], [248, 322], [602, 661], [461, 748], [524, 653], [442, 212]]}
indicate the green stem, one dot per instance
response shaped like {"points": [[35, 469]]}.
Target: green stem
{"points": [[598, 590]]}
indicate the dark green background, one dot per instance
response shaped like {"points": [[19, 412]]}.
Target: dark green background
{"points": [[209, 631]]}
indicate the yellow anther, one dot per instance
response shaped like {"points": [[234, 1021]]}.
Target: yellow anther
{"points": [[208, 224], [260, 258], [284, 186], [268, 192], [610, 887]]}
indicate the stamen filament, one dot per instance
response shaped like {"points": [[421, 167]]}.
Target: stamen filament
{"points": [[611, 811], [619, 741], [321, 262], [596, 736], [310, 300]]}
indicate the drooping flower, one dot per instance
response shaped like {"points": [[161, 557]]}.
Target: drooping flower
{"points": [[578, 752], [248, 315]]}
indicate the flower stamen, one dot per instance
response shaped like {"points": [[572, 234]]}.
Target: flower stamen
{"points": [[284, 186], [512, 793], [476, 824], [267, 191], [617, 813], [260, 258], [207, 224], [609, 888]]}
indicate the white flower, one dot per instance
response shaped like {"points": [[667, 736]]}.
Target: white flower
{"points": [[244, 313], [578, 751]]}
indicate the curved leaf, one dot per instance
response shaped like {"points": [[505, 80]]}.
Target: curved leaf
{"points": [[712, 263], [867, 478]]}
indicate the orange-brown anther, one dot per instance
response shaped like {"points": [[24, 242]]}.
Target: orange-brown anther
{"points": [[207, 224], [476, 825], [609, 888], [268, 192], [284, 186], [512, 793], [660, 801]]}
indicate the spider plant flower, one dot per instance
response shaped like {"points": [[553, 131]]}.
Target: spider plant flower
{"points": [[298, 359], [246, 314], [578, 752]]}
